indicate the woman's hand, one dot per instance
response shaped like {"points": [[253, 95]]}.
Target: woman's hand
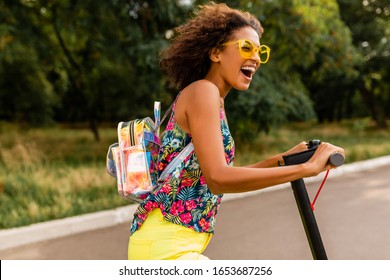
{"points": [[319, 161], [296, 149]]}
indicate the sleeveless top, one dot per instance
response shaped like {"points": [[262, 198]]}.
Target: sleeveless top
{"points": [[184, 197]]}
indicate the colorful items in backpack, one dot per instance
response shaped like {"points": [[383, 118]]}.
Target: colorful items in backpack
{"points": [[133, 160]]}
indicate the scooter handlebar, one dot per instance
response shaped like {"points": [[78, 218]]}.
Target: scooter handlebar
{"points": [[335, 159]]}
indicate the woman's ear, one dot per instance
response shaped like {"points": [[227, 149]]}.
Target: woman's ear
{"points": [[214, 54]]}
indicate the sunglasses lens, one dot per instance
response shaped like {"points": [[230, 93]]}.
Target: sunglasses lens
{"points": [[246, 48], [263, 52]]}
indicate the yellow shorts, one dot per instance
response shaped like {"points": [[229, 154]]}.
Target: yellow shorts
{"points": [[158, 239]]}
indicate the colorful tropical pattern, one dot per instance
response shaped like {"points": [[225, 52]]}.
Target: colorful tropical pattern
{"points": [[184, 197]]}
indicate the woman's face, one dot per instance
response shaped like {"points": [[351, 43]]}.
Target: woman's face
{"points": [[234, 70]]}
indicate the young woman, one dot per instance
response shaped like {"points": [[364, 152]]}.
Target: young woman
{"points": [[215, 51]]}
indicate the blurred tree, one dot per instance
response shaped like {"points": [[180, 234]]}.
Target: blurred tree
{"points": [[101, 60], [25, 93], [370, 26], [333, 58], [77, 61], [310, 47]]}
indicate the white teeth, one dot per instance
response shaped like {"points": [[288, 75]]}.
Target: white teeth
{"points": [[248, 68]]}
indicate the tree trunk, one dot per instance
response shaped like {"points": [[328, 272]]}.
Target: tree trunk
{"points": [[377, 113], [78, 84], [94, 128]]}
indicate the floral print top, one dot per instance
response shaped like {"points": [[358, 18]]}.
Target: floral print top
{"points": [[184, 197]]}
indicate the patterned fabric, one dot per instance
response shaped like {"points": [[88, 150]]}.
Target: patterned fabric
{"points": [[184, 197]]}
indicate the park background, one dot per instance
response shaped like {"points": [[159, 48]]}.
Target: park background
{"points": [[70, 70]]}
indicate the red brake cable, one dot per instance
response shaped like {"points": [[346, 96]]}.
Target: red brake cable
{"points": [[319, 190]]}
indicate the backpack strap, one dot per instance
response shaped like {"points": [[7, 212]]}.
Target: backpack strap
{"points": [[177, 160], [157, 116], [183, 154], [167, 112]]}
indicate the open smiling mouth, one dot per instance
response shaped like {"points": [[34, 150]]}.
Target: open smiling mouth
{"points": [[247, 71]]}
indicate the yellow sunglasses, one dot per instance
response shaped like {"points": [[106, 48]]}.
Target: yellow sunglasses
{"points": [[248, 49]]}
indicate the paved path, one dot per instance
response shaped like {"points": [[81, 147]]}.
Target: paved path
{"points": [[352, 212]]}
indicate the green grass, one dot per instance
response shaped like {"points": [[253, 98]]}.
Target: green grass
{"points": [[53, 173], [57, 172], [360, 139]]}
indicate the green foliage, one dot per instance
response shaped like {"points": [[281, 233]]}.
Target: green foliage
{"points": [[25, 93], [310, 46], [82, 61], [313, 42], [101, 61], [31, 99], [369, 22]]}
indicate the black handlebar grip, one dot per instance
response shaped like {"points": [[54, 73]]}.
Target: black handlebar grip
{"points": [[336, 159]]}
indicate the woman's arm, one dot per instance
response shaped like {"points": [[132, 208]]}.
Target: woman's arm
{"points": [[198, 109], [275, 160]]}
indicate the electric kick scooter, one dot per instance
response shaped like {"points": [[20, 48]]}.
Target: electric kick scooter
{"points": [[303, 201]]}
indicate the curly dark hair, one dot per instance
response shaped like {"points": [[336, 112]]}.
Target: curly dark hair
{"points": [[187, 59]]}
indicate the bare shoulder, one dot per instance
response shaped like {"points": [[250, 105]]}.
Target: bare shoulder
{"points": [[199, 101], [200, 94]]}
